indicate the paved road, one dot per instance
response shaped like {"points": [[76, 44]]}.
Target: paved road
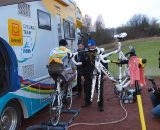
{"points": [[113, 112]]}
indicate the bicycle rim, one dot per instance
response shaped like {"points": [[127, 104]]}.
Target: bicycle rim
{"points": [[55, 111]]}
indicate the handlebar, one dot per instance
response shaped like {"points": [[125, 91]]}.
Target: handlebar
{"points": [[100, 52], [83, 35], [72, 56]]}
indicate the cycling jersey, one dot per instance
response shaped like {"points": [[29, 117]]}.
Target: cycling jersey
{"points": [[57, 54]]}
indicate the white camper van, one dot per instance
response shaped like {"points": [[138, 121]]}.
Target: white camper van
{"points": [[29, 29]]}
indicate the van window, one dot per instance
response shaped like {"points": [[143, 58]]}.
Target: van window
{"points": [[44, 20], [59, 27], [72, 30], [66, 29], [69, 29]]}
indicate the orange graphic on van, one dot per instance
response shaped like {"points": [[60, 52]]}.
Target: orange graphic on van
{"points": [[15, 32], [15, 29]]}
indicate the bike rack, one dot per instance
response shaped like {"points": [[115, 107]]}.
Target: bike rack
{"points": [[60, 125]]}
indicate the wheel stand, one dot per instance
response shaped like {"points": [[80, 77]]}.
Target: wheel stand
{"points": [[60, 125]]}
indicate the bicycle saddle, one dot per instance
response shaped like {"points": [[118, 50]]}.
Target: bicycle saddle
{"points": [[121, 35]]}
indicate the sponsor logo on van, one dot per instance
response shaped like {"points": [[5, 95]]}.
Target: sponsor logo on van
{"points": [[29, 36], [15, 32]]}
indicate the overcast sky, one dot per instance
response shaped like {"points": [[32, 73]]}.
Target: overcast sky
{"points": [[118, 12]]}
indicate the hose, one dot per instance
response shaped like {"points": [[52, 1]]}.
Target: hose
{"points": [[104, 123]]}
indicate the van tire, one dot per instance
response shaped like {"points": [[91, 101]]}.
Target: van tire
{"points": [[11, 116]]}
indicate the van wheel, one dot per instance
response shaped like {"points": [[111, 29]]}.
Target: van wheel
{"points": [[11, 117]]}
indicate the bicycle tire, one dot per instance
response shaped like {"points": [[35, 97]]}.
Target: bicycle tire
{"points": [[55, 110]]}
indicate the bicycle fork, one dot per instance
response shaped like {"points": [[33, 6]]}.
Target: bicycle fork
{"points": [[94, 80], [93, 87]]}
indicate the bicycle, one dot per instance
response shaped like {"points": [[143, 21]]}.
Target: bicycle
{"points": [[120, 84], [61, 99]]}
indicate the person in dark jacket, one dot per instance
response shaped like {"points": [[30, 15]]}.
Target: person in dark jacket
{"points": [[155, 98], [89, 74], [129, 54], [132, 52], [80, 57]]}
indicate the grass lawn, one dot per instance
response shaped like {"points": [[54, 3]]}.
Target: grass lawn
{"points": [[146, 48]]}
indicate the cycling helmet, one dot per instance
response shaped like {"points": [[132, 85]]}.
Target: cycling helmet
{"points": [[91, 42]]}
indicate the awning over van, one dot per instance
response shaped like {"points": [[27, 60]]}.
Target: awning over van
{"points": [[63, 2], [78, 23]]}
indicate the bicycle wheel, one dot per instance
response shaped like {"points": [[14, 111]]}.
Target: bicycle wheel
{"points": [[55, 110], [68, 101]]}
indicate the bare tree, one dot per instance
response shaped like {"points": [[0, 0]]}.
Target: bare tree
{"points": [[101, 35], [154, 28], [99, 24], [140, 26], [87, 23]]}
